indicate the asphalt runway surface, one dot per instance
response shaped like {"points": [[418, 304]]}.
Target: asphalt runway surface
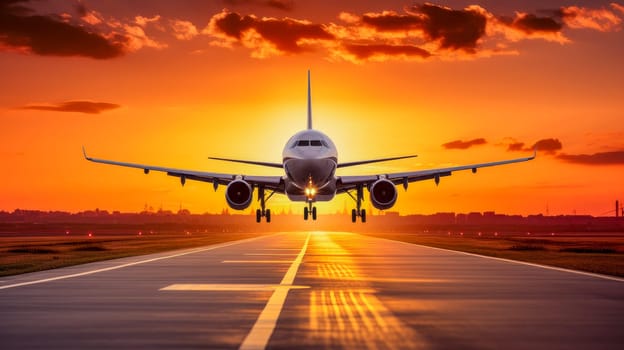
{"points": [[312, 290]]}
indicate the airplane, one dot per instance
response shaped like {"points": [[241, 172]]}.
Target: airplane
{"points": [[309, 162]]}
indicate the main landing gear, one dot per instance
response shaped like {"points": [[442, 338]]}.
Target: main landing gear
{"points": [[266, 213], [358, 212], [309, 210]]}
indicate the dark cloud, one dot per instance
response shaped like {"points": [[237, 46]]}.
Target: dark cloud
{"points": [[549, 146], [459, 144], [87, 107], [392, 21], [515, 146], [604, 158], [285, 34], [20, 30], [456, 29], [530, 23], [364, 52]]}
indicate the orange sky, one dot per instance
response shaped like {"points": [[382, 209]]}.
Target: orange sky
{"points": [[171, 83]]}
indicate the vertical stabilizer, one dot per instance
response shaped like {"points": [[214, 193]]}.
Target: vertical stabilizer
{"points": [[309, 104]]}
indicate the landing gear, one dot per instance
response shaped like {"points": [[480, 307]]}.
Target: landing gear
{"points": [[358, 200], [362, 215], [309, 211], [266, 213]]}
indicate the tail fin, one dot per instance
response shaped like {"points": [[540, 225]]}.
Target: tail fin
{"points": [[309, 104]]}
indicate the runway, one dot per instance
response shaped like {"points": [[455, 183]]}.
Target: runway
{"points": [[311, 291]]}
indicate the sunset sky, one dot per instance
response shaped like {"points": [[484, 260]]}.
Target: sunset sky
{"points": [[171, 83]]}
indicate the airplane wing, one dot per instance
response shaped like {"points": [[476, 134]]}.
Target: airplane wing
{"points": [[274, 183], [346, 183]]}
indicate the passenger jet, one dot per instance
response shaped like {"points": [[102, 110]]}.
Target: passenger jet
{"points": [[309, 162]]}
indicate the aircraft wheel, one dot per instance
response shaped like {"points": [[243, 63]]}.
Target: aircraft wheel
{"points": [[305, 213], [268, 215], [363, 215], [353, 215], [313, 213], [258, 215]]}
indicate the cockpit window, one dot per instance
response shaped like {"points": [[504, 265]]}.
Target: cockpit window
{"points": [[307, 143]]}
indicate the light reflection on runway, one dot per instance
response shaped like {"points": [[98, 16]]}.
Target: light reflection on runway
{"points": [[344, 311]]}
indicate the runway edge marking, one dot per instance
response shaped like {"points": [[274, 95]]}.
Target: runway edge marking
{"points": [[555, 268], [79, 274], [261, 332]]}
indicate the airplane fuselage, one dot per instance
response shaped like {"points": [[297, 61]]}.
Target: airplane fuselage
{"points": [[310, 159]]}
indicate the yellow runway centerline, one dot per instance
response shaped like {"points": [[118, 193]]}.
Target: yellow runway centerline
{"points": [[261, 332]]}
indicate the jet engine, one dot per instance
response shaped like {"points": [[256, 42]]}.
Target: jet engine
{"points": [[238, 194], [383, 194]]}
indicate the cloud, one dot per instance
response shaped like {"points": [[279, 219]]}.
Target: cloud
{"points": [[459, 144], [144, 21], [604, 158], [88, 107], [89, 35], [530, 23], [265, 36], [602, 19], [455, 29], [420, 32], [183, 30], [515, 146], [380, 52], [22, 31], [548, 146]]}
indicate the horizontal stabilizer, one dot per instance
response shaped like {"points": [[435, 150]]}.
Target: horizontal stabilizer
{"points": [[252, 162], [342, 165]]}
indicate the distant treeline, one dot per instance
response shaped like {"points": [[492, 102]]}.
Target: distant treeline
{"points": [[389, 221]]}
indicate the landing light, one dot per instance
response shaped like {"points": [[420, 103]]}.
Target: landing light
{"points": [[310, 192]]}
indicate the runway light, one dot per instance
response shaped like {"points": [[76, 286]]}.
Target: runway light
{"points": [[67, 232], [461, 233], [479, 234], [495, 233], [140, 233], [90, 234]]}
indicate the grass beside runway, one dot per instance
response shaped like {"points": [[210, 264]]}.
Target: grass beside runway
{"points": [[33, 251], [590, 252]]}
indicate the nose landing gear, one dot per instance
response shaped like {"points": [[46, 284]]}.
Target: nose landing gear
{"points": [[309, 211]]}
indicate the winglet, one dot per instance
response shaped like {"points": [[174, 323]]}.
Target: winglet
{"points": [[534, 153], [309, 104], [84, 153]]}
